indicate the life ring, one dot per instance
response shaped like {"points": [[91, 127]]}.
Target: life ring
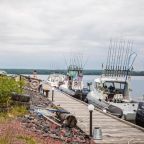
{"points": [[34, 84]]}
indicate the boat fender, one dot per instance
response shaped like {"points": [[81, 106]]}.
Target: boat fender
{"points": [[115, 111]]}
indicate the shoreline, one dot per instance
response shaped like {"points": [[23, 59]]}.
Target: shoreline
{"points": [[60, 71]]}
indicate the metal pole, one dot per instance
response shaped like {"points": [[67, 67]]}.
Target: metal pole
{"points": [[52, 94], [91, 123]]}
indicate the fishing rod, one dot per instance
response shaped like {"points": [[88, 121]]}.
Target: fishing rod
{"points": [[131, 66], [78, 61], [109, 59], [107, 63], [112, 60], [117, 60], [113, 63], [65, 61], [122, 58], [81, 61], [85, 62], [131, 54], [115, 56], [73, 63], [127, 59], [124, 62]]}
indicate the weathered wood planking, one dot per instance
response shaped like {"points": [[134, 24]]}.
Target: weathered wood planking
{"points": [[114, 131]]}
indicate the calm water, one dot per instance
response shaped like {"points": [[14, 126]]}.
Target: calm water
{"points": [[137, 84]]}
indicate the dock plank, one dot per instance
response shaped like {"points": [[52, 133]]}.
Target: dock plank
{"points": [[113, 130]]}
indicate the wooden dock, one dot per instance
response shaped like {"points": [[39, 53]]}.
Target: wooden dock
{"points": [[114, 130]]}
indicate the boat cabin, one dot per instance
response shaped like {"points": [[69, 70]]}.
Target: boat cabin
{"points": [[74, 77], [112, 89]]}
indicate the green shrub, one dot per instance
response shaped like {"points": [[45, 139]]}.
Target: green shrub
{"points": [[8, 85]]}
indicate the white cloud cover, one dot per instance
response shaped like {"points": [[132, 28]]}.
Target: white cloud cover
{"points": [[36, 34]]}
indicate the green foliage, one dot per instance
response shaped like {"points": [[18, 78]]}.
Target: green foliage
{"points": [[18, 111], [15, 111], [3, 117], [8, 85], [28, 140]]}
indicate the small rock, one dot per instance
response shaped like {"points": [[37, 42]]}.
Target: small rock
{"points": [[24, 120], [29, 125], [34, 121], [26, 116], [31, 118], [39, 127], [46, 129], [45, 135], [54, 136]]}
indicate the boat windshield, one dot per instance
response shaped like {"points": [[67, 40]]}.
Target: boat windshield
{"points": [[116, 87]]}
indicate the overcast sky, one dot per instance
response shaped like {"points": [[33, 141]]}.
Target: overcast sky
{"points": [[40, 33]]}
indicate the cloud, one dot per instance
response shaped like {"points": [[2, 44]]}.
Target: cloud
{"points": [[46, 30]]}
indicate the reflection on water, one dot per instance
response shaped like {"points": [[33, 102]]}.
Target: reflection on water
{"points": [[137, 83]]}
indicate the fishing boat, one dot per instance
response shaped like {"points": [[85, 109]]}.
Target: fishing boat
{"points": [[55, 80], [111, 91], [73, 84]]}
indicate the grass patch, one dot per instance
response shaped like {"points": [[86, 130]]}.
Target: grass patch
{"points": [[28, 140], [4, 117], [16, 111]]}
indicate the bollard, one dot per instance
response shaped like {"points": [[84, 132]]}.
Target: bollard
{"points": [[53, 94]]}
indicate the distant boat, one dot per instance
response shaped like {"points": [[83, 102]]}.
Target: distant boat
{"points": [[55, 80], [111, 91]]}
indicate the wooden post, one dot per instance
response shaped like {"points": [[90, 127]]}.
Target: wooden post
{"points": [[47, 91], [52, 94], [20, 83]]}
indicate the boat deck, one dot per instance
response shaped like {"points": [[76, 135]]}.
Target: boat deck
{"points": [[114, 130]]}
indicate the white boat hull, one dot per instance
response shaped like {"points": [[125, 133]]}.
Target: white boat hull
{"points": [[125, 110]]}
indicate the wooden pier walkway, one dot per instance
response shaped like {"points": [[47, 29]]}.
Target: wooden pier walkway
{"points": [[114, 130]]}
